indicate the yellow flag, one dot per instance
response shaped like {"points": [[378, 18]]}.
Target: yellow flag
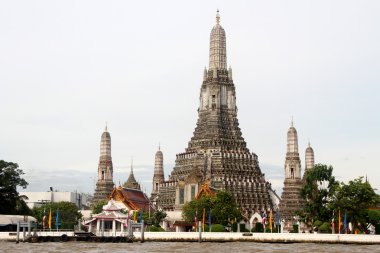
{"points": [[203, 219], [50, 219], [134, 216]]}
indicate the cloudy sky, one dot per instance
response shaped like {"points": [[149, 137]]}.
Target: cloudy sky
{"points": [[68, 67]]}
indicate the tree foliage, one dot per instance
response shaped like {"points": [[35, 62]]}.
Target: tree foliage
{"points": [[98, 206], [222, 206], [158, 217], [10, 177], [68, 214], [318, 190], [354, 199]]}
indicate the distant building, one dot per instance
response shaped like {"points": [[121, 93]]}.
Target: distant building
{"points": [[36, 199], [158, 175], [104, 184], [131, 181], [291, 200]]}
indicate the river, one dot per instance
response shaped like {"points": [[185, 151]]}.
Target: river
{"points": [[185, 247]]}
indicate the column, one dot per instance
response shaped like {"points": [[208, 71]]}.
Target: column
{"points": [[114, 227], [97, 226]]}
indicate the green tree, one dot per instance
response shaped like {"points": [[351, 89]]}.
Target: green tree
{"points": [[158, 217], [223, 208], [68, 214], [354, 199], [98, 206], [318, 190], [10, 177]]}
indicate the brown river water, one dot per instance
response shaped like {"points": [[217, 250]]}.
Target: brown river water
{"points": [[185, 247]]}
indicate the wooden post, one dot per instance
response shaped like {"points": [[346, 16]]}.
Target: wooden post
{"points": [[200, 232], [142, 230], [29, 228], [18, 232]]}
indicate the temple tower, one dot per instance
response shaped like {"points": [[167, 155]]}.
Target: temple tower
{"points": [[104, 184], [309, 158], [158, 176], [131, 181], [291, 200], [217, 153]]}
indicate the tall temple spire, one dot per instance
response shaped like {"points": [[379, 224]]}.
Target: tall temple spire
{"points": [[104, 183], [218, 55], [291, 200], [309, 158], [217, 153], [158, 174], [131, 181]]}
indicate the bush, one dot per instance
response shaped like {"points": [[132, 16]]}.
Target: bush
{"points": [[155, 229], [377, 229], [295, 229], [258, 228], [217, 228], [317, 223], [325, 228]]}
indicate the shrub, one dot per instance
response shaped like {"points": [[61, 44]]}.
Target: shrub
{"points": [[217, 228], [317, 223], [324, 228], [155, 229], [258, 228]]}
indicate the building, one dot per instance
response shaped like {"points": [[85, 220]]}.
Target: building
{"points": [[104, 184], [36, 199], [158, 175], [217, 154], [131, 181], [291, 200]]}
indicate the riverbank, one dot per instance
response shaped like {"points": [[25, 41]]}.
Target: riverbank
{"points": [[225, 237]]}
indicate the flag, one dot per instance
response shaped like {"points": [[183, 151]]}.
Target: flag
{"points": [[339, 222], [141, 213], [345, 222], [56, 219], [50, 218], [203, 219], [270, 220], [126, 224], [333, 223], [43, 219], [134, 216], [196, 219], [209, 219]]}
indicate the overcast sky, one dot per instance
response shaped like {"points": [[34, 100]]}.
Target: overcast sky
{"points": [[68, 67]]}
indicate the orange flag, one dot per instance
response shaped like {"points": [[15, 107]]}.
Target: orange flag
{"points": [[270, 220], [49, 222], [203, 219], [339, 222], [134, 216]]}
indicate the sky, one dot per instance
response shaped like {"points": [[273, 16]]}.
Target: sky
{"points": [[68, 67]]}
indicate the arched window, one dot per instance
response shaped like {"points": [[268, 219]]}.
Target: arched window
{"points": [[292, 173]]}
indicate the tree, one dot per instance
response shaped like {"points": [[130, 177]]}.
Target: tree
{"points": [[10, 178], [318, 190], [68, 214], [222, 206], [354, 199], [158, 217], [98, 206]]}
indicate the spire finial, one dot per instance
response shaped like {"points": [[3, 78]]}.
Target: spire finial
{"points": [[159, 146], [106, 126], [309, 142], [217, 16], [132, 165], [292, 121]]}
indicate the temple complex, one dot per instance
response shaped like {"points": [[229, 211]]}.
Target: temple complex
{"points": [[104, 184], [291, 200], [217, 154]]}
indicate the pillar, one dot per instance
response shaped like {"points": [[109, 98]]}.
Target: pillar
{"points": [[97, 226], [114, 227]]}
